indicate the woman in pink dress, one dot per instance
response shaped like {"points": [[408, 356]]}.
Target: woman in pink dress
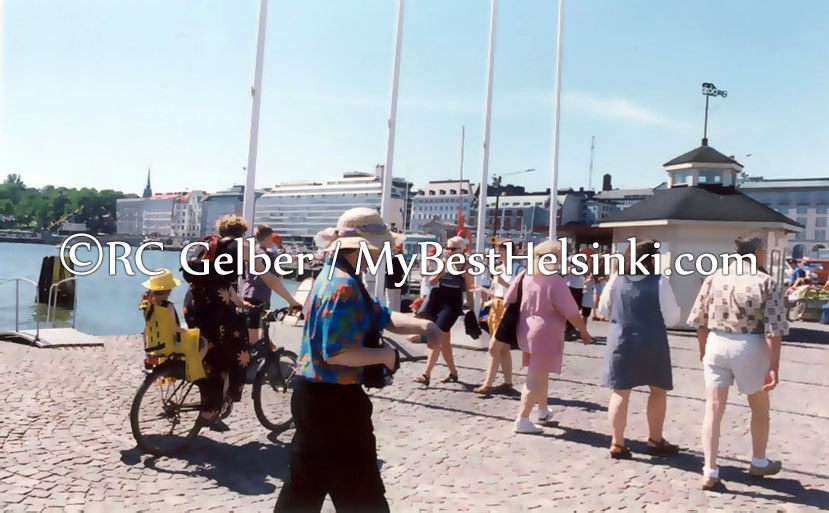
{"points": [[546, 303]]}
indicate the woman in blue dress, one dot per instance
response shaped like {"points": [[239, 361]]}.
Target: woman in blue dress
{"points": [[639, 306]]}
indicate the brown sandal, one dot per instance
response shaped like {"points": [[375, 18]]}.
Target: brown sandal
{"points": [[484, 389], [622, 454], [450, 378], [661, 447], [423, 379], [503, 388]]}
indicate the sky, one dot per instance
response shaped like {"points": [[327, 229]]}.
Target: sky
{"points": [[95, 92]]}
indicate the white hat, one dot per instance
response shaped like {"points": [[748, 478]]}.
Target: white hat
{"points": [[358, 225]]}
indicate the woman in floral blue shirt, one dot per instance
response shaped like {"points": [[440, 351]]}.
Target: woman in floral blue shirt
{"points": [[334, 451]]}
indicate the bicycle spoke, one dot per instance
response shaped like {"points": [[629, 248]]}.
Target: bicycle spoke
{"points": [[273, 390], [164, 421]]}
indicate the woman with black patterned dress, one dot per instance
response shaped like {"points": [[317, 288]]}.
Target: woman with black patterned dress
{"points": [[210, 305]]}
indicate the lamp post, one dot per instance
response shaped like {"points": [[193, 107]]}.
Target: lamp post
{"points": [[709, 90], [496, 184]]}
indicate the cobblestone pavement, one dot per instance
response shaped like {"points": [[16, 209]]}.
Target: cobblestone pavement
{"points": [[67, 446]]}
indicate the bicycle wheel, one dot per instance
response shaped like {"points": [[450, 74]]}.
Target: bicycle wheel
{"points": [[272, 391], [165, 409]]}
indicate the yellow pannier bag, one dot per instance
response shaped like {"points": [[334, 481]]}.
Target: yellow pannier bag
{"points": [[161, 339]]}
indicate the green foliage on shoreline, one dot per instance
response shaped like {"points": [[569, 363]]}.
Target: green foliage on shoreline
{"points": [[37, 209]]}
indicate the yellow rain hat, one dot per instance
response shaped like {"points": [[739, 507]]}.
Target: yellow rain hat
{"points": [[163, 281]]}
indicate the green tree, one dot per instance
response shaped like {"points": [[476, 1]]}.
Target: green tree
{"points": [[42, 207], [11, 192], [13, 179], [58, 207], [42, 217]]}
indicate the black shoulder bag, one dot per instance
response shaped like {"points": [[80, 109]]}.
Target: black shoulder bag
{"points": [[377, 375], [507, 331]]}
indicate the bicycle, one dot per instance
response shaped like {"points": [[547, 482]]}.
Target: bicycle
{"points": [[165, 423]]}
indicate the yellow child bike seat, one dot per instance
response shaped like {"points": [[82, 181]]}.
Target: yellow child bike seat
{"points": [[161, 339]]}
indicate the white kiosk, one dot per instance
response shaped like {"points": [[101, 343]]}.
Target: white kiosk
{"points": [[701, 211]]}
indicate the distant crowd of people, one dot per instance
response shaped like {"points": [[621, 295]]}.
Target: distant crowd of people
{"points": [[801, 275], [740, 321]]}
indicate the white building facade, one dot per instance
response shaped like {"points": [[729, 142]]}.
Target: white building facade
{"points": [[158, 215], [215, 206], [440, 200], [806, 200], [187, 211], [298, 211], [129, 216]]}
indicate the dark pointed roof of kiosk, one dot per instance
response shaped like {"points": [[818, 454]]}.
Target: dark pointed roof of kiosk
{"points": [[700, 203], [702, 155]]}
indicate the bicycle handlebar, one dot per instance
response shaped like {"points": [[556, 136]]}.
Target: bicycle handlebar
{"points": [[272, 315], [279, 314]]}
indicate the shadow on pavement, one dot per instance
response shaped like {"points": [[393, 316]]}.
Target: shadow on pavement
{"points": [[132, 456], [807, 336], [243, 469], [588, 406], [473, 413], [787, 490], [598, 340], [582, 436]]}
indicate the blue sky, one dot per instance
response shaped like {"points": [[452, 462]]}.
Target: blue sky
{"points": [[94, 92]]}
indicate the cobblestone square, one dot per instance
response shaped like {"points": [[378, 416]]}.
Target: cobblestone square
{"points": [[67, 445]]}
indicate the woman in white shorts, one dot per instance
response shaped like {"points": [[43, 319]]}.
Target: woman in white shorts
{"points": [[740, 321]]}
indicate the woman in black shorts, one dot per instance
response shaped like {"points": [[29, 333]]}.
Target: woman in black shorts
{"points": [[443, 306]]}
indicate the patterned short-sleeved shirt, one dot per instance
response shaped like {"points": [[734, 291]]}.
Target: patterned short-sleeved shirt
{"points": [[740, 304], [338, 319]]}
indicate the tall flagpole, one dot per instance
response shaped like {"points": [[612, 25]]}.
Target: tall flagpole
{"points": [[480, 244], [460, 183], [385, 202], [554, 184], [256, 93], [480, 235]]}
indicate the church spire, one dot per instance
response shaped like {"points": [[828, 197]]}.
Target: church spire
{"points": [[148, 191]]}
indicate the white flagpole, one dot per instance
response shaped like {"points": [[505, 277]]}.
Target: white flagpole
{"points": [[557, 110], [460, 182], [385, 202], [256, 93], [480, 243]]}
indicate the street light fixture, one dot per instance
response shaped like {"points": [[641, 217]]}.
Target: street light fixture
{"points": [[496, 183]]}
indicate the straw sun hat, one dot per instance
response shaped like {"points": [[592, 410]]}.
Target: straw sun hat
{"points": [[358, 225], [163, 281]]}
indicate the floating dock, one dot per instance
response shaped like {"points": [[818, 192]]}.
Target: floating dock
{"points": [[53, 337]]}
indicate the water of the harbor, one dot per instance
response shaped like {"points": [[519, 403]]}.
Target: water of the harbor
{"points": [[107, 305]]}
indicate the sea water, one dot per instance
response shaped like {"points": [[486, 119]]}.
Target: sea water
{"points": [[107, 304]]}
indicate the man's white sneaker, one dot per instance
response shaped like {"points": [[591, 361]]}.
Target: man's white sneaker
{"points": [[523, 425], [544, 415]]}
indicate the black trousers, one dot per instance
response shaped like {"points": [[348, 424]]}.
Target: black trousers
{"points": [[333, 451], [577, 294]]}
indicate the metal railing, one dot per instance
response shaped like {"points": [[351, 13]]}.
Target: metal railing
{"points": [[17, 302], [52, 308]]}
